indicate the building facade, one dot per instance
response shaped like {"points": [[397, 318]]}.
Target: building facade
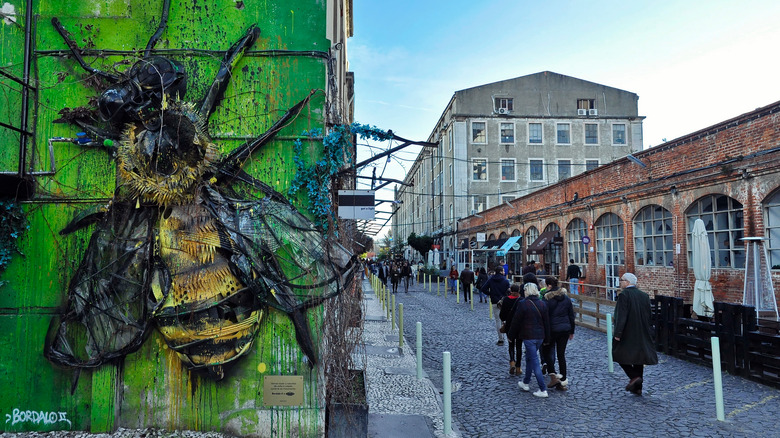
{"points": [[637, 215], [501, 141]]}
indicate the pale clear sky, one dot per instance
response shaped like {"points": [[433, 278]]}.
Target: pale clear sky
{"points": [[693, 63]]}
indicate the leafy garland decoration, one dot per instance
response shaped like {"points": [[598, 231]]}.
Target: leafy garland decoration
{"points": [[316, 179]]}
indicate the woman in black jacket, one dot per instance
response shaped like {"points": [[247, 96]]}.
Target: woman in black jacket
{"points": [[508, 304], [562, 330]]}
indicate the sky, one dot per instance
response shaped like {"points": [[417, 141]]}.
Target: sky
{"points": [[692, 63]]}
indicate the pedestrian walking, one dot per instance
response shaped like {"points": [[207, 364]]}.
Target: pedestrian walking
{"points": [[453, 279], [467, 280], [561, 332], [406, 275], [508, 306], [482, 278], [497, 287], [573, 274], [531, 323], [633, 346], [395, 276]]}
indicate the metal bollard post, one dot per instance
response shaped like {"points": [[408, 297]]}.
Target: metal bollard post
{"points": [[400, 325], [392, 320], [447, 393], [419, 350], [490, 305], [610, 365], [471, 297], [457, 292], [387, 301], [429, 282], [438, 286], [717, 379]]}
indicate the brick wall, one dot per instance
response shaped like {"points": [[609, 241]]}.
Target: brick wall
{"points": [[739, 158]]}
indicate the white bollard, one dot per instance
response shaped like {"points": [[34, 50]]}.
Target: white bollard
{"points": [[717, 378], [610, 365], [447, 393], [419, 351]]}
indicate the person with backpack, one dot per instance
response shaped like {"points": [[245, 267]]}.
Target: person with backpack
{"points": [[482, 277], [497, 287], [561, 332], [506, 313]]}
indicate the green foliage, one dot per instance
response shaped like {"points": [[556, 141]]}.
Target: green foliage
{"points": [[316, 179], [12, 225], [421, 244]]}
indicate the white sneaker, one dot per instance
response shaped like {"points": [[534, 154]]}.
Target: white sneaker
{"points": [[540, 393], [560, 376], [523, 386], [565, 383]]}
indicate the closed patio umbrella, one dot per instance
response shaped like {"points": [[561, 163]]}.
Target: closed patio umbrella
{"points": [[702, 265]]}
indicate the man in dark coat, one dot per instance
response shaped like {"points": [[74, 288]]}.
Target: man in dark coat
{"points": [[466, 279], [497, 287], [633, 346]]}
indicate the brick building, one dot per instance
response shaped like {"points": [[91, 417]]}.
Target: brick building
{"points": [[638, 211]]}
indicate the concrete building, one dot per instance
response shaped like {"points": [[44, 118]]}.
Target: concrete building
{"points": [[637, 215], [501, 141]]}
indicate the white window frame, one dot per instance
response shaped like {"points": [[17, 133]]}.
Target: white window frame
{"points": [[541, 126], [514, 169], [499, 100], [558, 169], [625, 134], [474, 203], [507, 198], [450, 139], [556, 134], [471, 135], [574, 247], [452, 176], [585, 134], [530, 160], [726, 238], [597, 164], [500, 130], [473, 163], [772, 224]]}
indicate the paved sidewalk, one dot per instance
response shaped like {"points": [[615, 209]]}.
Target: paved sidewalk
{"points": [[678, 396], [400, 405]]}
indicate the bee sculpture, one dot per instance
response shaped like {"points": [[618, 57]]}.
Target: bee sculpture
{"points": [[177, 247]]}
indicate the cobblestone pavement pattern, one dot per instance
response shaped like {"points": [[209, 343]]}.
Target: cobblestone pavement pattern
{"points": [[678, 399]]}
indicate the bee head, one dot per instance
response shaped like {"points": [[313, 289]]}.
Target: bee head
{"points": [[147, 83]]}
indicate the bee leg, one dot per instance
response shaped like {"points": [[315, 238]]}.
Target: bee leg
{"points": [[231, 58]]}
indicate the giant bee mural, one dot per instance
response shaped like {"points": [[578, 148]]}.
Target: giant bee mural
{"points": [[181, 247]]}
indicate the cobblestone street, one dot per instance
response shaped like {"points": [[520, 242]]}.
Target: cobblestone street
{"points": [[678, 400]]}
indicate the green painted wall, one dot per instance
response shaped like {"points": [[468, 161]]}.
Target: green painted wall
{"points": [[150, 388]]}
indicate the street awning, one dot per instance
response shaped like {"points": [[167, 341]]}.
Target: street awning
{"points": [[507, 246], [541, 243], [492, 245]]}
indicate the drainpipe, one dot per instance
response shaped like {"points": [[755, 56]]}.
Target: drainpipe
{"points": [[25, 89]]}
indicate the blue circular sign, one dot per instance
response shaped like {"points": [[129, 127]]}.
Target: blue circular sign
{"points": [[585, 240]]}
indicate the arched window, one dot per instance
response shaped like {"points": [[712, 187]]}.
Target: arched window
{"points": [[610, 250], [515, 232], [492, 236], [653, 237], [531, 234], [772, 221], [723, 221], [609, 240], [503, 235], [576, 249], [552, 252]]}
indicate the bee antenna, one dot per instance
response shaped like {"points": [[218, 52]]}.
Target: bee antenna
{"points": [[163, 23], [74, 49]]}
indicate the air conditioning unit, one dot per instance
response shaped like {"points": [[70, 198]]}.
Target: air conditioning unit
{"points": [[593, 112], [582, 112], [503, 111]]}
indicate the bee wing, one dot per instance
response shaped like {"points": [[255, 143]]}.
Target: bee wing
{"points": [[283, 256], [109, 304]]}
